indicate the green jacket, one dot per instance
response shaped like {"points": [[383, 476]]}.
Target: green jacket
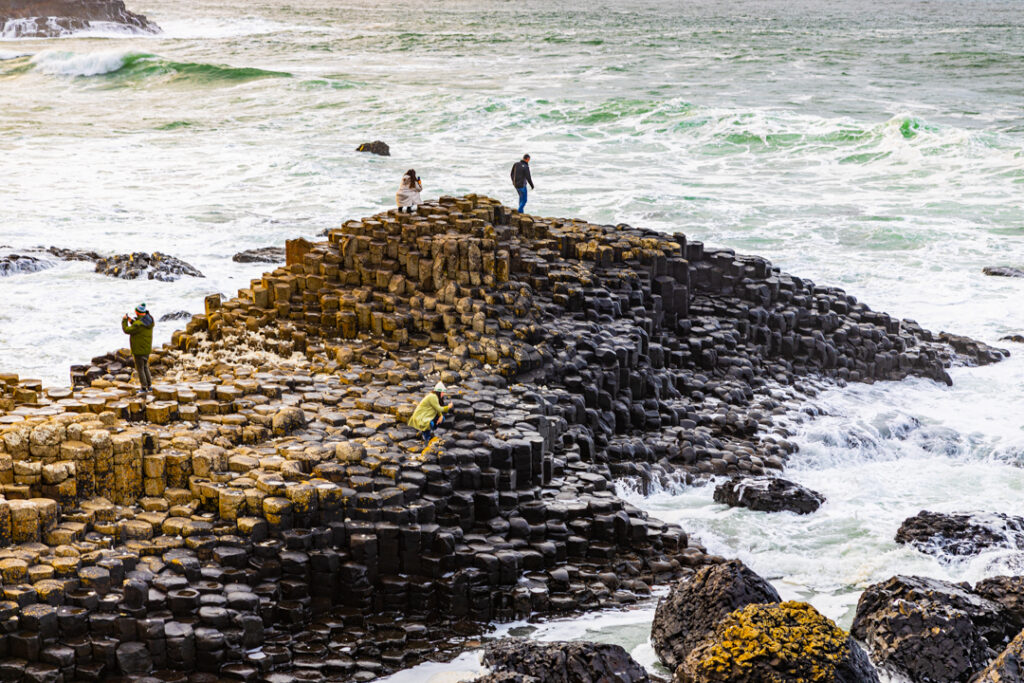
{"points": [[140, 333], [429, 408]]}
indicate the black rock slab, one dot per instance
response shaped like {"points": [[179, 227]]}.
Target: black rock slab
{"points": [[768, 494], [937, 533], [580, 662]]}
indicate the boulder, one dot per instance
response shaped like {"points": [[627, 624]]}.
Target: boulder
{"points": [[789, 641], [176, 315], [768, 494], [1007, 591], [375, 147], [695, 606], [937, 533], [563, 662], [287, 420], [74, 254], [261, 255], [930, 630], [155, 266], [1008, 667], [54, 18], [1003, 271], [13, 264], [1018, 338]]}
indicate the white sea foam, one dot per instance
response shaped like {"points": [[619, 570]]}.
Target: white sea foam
{"points": [[61, 63]]}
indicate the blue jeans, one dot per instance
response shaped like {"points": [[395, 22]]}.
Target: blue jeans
{"points": [[428, 433], [522, 197]]}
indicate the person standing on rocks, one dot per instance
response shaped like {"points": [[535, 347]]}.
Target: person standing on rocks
{"points": [[140, 336], [520, 177], [408, 195], [430, 412]]}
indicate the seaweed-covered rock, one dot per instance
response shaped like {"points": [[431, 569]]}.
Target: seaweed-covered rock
{"points": [[1008, 667], [13, 264], [776, 643], [695, 606], [930, 630], [155, 266], [1003, 271], [54, 18], [376, 147], [937, 533], [572, 662], [768, 494], [261, 255]]}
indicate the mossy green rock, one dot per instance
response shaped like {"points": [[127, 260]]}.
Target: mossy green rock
{"points": [[789, 642]]}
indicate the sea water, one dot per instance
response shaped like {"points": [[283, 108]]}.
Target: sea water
{"points": [[876, 146]]}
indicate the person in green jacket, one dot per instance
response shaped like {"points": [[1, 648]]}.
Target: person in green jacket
{"points": [[430, 412], [140, 336]]}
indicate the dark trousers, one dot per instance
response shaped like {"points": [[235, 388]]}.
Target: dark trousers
{"points": [[142, 367]]}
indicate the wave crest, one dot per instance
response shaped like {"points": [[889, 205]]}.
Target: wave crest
{"points": [[141, 65]]}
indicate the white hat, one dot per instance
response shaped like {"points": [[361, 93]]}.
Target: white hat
{"points": [[439, 387]]}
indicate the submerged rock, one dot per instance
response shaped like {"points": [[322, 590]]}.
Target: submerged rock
{"points": [[1008, 667], [695, 606], [930, 630], [768, 494], [155, 266], [53, 18], [13, 264], [261, 255], [375, 147], [789, 641], [938, 533], [572, 662], [1003, 271]]}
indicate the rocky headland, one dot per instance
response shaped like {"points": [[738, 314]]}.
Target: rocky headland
{"points": [[268, 515], [55, 18]]}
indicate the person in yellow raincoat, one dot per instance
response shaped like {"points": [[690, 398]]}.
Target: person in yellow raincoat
{"points": [[430, 412]]}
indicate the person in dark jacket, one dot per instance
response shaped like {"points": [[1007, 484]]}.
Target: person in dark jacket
{"points": [[140, 337], [520, 177]]}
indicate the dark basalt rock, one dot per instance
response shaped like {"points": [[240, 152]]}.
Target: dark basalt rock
{"points": [[768, 494], [940, 534], [1008, 667], [261, 255], [375, 147], [1003, 271], [695, 606], [790, 641], [53, 18], [74, 254], [1007, 591], [565, 662], [155, 266], [13, 264], [930, 630], [176, 315], [1019, 338]]}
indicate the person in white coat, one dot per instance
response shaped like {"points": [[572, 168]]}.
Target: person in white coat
{"points": [[408, 195]]}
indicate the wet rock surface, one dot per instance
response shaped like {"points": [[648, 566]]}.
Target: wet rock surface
{"points": [[155, 266], [1008, 667], [376, 147], [229, 536], [261, 255], [959, 535], [74, 254], [54, 18], [1003, 271], [695, 607], [16, 264], [175, 315], [931, 630], [562, 662], [787, 641], [768, 494]]}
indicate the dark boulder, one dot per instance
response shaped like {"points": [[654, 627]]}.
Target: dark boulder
{"points": [[768, 494], [1019, 338], [565, 662], [1007, 591], [506, 677], [14, 264], [176, 315], [375, 147], [930, 630], [74, 254], [937, 533], [789, 641], [1008, 667], [261, 255], [1003, 271], [155, 266], [695, 606], [53, 18]]}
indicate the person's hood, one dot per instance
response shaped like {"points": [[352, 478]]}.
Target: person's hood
{"points": [[147, 320]]}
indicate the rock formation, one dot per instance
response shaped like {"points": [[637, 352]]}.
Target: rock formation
{"points": [[768, 494], [940, 534], [53, 18], [572, 662], [14, 264], [376, 147], [1003, 271], [155, 266], [261, 255], [267, 512], [1008, 667], [175, 315]]}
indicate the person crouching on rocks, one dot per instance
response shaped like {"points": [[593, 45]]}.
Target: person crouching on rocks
{"points": [[408, 195], [140, 336], [430, 412]]}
